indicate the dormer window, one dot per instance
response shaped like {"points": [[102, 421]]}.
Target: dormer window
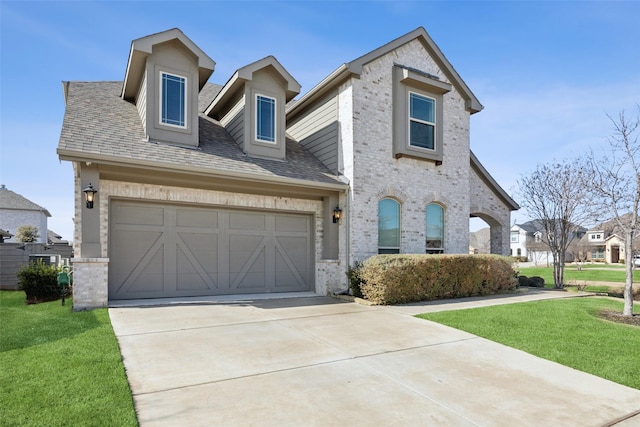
{"points": [[265, 119], [173, 95]]}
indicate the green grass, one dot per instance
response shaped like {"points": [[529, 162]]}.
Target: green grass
{"points": [[572, 274], [60, 368], [566, 331]]}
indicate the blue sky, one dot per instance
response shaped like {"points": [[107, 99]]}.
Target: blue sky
{"points": [[547, 72]]}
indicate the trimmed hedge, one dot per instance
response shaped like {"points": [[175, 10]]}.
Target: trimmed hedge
{"points": [[39, 282], [399, 279]]}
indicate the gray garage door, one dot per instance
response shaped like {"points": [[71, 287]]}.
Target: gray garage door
{"points": [[172, 250]]}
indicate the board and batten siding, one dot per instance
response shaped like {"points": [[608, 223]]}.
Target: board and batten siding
{"points": [[141, 101], [233, 122], [318, 131]]}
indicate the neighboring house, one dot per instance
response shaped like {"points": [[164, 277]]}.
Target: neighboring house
{"points": [[4, 235], [17, 211], [605, 243], [54, 238], [209, 190], [529, 240]]}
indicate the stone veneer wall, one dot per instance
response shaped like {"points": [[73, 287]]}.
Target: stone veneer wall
{"points": [[414, 183], [93, 292]]}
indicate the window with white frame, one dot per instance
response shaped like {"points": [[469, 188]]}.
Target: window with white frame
{"points": [[515, 237], [265, 118], [388, 226], [173, 100], [422, 121], [435, 229]]}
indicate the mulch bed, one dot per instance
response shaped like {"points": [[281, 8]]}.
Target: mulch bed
{"points": [[616, 316]]}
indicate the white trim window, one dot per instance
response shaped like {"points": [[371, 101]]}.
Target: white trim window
{"points": [[422, 121], [265, 118], [173, 100]]}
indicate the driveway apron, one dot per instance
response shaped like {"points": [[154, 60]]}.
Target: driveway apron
{"points": [[319, 361]]}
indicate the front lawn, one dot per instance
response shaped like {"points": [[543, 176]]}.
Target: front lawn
{"points": [[60, 368], [567, 331], [572, 274]]}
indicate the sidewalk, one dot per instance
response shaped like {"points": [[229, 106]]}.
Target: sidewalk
{"points": [[522, 295]]}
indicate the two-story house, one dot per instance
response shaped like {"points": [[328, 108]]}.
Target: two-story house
{"points": [[530, 240], [605, 243], [17, 211], [201, 189]]}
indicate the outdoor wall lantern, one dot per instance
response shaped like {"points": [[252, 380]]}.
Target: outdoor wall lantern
{"points": [[89, 193], [337, 214]]}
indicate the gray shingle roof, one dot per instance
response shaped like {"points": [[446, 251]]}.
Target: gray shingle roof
{"points": [[11, 200], [100, 124]]}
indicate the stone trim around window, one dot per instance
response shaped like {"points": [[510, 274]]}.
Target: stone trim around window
{"points": [[408, 80]]}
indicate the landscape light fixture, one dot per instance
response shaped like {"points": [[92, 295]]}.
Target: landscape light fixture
{"points": [[89, 193], [337, 214]]}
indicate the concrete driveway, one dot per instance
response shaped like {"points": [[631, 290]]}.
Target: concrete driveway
{"points": [[319, 361]]}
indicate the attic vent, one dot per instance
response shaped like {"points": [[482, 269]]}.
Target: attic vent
{"points": [[415, 70]]}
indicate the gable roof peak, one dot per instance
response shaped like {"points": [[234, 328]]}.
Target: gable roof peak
{"points": [[245, 74], [142, 47], [14, 201], [354, 68]]}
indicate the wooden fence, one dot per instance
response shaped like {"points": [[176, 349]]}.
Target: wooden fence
{"points": [[14, 256]]}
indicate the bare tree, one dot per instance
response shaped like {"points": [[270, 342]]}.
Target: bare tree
{"points": [[615, 179], [555, 195]]}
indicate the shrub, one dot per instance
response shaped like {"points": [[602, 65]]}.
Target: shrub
{"points": [[537, 282], [397, 279], [39, 282], [355, 279], [524, 281]]}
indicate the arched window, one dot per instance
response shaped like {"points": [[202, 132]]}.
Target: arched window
{"points": [[435, 229], [388, 226]]}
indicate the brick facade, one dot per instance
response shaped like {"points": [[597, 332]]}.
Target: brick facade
{"points": [[351, 116], [90, 278], [414, 183], [329, 274]]}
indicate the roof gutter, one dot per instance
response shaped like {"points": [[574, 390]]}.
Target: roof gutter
{"points": [[75, 156]]}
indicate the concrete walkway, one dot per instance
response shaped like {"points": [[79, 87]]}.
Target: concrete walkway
{"points": [[319, 361]]}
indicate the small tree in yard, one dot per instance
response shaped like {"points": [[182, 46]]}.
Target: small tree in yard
{"points": [[27, 234], [555, 195], [615, 180]]}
